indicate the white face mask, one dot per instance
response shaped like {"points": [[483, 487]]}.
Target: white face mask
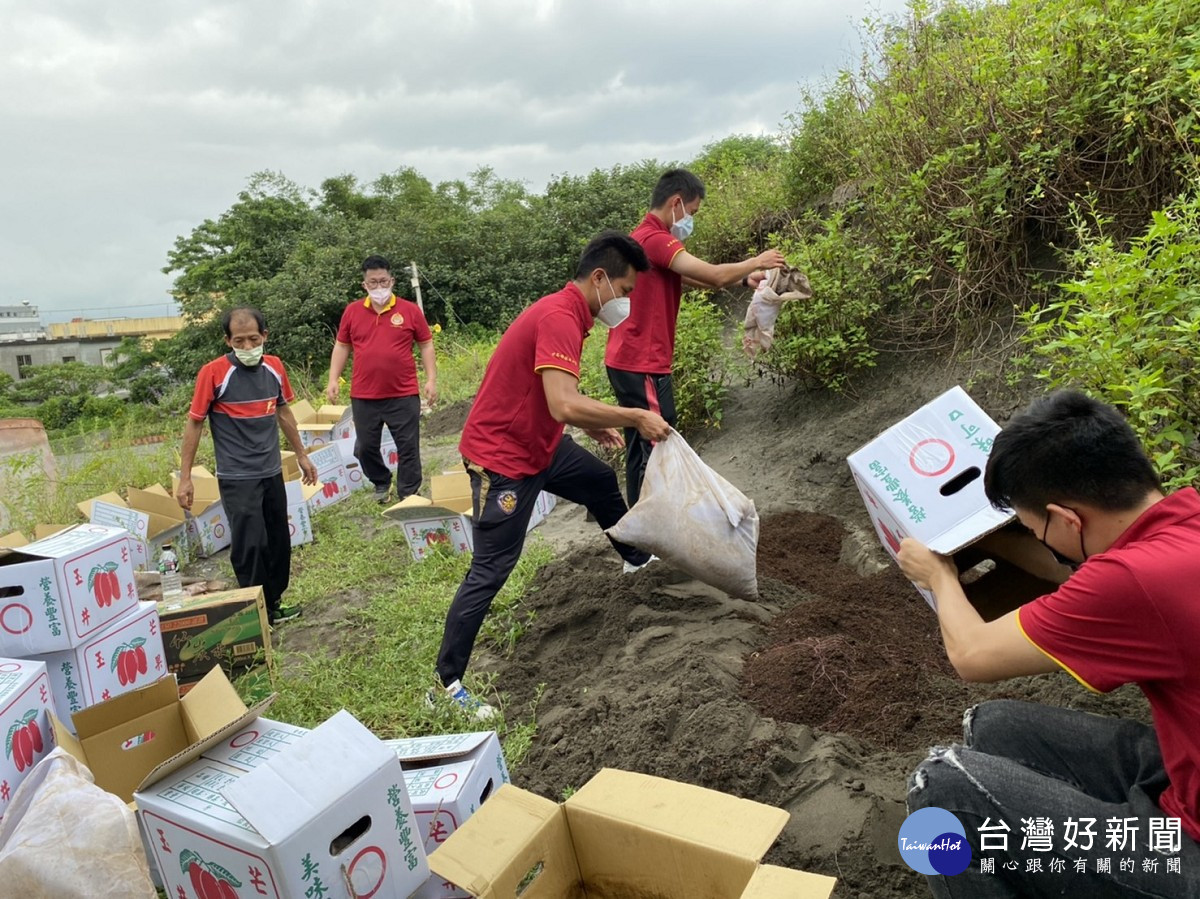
{"points": [[250, 357], [379, 294], [615, 310], [682, 229]]}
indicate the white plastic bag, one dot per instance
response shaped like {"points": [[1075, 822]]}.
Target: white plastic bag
{"points": [[779, 286], [690, 516], [64, 837]]}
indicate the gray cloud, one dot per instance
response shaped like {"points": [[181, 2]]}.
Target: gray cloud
{"points": [[126, 124]]}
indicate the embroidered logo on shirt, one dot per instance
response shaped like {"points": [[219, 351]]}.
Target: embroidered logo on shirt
{"points": [[397, 319], [507, 501], [270, 407], [564, 357]]}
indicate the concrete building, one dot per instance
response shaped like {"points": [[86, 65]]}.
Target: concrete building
{"points": [[25, 342], [157, 328], [20, 322], [16, 354]]}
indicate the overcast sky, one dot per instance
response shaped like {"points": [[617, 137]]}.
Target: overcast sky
{"points": [[127, 123]]}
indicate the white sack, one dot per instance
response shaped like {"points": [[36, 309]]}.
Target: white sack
{"points": [[690, 516], [64, 837]]}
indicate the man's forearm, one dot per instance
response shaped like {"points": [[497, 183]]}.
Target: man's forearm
{"points": [[957, 618], [191, 443], [287, 424]]}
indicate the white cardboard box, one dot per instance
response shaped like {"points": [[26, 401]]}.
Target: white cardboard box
{"points": [[328, 816], [25, 701], [299, 514], [332, 479], [126, 655], [923, 477], [60, 591], [448, 778]]}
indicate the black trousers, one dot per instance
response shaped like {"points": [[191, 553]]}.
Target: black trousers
{"points": [[402, 415], [641, 391], [260, 548], [501, 510]]}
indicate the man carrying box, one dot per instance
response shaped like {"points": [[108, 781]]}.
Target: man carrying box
{"points": [[1075, 474], [245, 396], [381, 329], [513, 445]]}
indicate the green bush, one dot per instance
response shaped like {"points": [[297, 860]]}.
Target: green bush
{"points": [[824, 340], [1126, 331], [701, 369], [971, 128]]}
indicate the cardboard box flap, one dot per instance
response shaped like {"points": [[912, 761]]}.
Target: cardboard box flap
{"points": [[67, 740], [206, 491], [966, 532], [114, 499], [163, 509], [438, 747], [331, 414], [683, 810], [303, 412], [42, 531], [211, 692], [511, 834], [770, 882], [13, 540], [282, 794], [99, 718]]}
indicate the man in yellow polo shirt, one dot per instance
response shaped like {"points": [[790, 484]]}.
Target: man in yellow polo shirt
{"points": [[381, 329]]}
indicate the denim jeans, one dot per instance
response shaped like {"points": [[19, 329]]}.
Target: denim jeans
{"points": [[1024, 764]]}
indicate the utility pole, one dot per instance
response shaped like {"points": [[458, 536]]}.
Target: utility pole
{"points": [[416, 286]]}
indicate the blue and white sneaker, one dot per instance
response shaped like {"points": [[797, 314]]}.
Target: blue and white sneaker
{"points": [[476, 708]]}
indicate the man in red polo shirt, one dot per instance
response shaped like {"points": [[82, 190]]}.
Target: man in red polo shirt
{"points": [[513, 445], [381, 329], [640, 354], [1075, 474]]}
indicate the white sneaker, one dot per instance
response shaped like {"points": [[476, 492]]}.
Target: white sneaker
{"points": [[630, 568], [478, 709]]}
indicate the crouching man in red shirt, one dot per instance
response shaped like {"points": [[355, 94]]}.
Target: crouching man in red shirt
{"points": [[513, 445], [1113, 805]]}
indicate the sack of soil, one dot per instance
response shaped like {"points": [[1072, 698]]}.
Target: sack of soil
{"points": [[691, 517]]}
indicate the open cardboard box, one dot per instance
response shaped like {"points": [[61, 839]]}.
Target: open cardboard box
{"points": [[136, 739], [622, 834], [449, 777], [316, 426], [323, 813], [208, 526], [446, 519], [152, 515], [923, 478]]}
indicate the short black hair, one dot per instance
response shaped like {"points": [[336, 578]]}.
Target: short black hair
{"points": [[242, 312], [1066, 448], [676, 181], [372, 262], [614, 252]]}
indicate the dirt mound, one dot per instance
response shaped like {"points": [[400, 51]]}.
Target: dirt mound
{"points": [[863, 656]]}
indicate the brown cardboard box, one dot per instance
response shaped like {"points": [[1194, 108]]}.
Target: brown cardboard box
{"points": [[227, 629], [622, 834], [139, 737]]}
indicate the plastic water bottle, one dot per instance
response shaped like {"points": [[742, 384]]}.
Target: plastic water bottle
{"points": [[168, 567]]}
